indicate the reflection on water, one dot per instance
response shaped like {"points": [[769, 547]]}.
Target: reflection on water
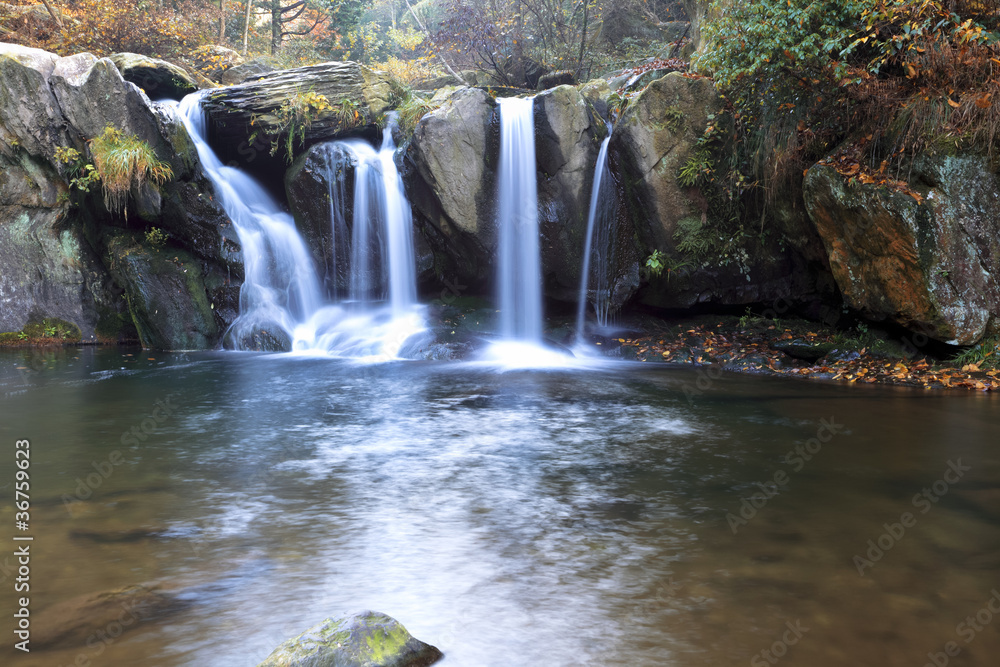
{"points": [[566, 517]]}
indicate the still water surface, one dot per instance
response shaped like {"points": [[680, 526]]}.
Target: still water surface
{"points": [[537, 518]]}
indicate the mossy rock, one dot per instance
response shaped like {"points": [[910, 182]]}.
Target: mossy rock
{"points": [[364, 639], [53, 327], [166, 294]]}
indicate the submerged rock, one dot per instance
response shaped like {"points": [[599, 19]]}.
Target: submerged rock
{"points": [[70, 624], [930, 260], [364, 639]]}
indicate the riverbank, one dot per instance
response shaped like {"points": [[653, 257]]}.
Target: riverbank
{"points": [[798, 348]]}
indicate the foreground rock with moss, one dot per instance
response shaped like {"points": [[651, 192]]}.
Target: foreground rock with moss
{"points": [[364, 639]]}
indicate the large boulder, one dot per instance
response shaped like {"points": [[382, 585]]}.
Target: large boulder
{"points": [[625, 22], [568, 136], [237, 112], [927, 258], [320, 185], [656, 134], [212, 61], [451, 178], [240, 73], [705, 262], [48, 270], [365, 639], [157, 78]]}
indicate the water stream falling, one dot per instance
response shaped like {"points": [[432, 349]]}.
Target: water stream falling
{"points": [[281, 293], [601, 201], [520, 275]]}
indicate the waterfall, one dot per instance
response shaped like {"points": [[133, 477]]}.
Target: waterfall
{"points": [[280, 287], [519, 275], [337, 162], [281, 291], [600, 221], [382, 265]]}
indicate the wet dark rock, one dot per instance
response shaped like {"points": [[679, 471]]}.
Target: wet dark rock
{"points": [[364, 639], [166, 293], [801, 349], [258, 339]]}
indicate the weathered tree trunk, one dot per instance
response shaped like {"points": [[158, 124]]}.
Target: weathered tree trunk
{"points": [[275, 26], [517, 62], [246, 26], [222, 21], [53, 14]]}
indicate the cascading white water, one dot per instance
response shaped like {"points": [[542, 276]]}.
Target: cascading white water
{"points": [[382, 263], [280, 288], [519, 275], [600, 220]]}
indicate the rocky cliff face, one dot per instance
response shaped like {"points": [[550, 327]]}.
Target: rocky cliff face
{"points": [[55, 249], [927, 259]]}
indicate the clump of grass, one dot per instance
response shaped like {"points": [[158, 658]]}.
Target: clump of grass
{"points": [[410, 110], [296, 115], [122, 162]]}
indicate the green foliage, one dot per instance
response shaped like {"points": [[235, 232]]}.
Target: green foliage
{"points": [[655, 264], [892, 77], [156, 237], [49, 328], [693, 238], [779, 41], [984, 354], [674, 118], [80, 174], [660, 264], [698, 168], [123, 162]]}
